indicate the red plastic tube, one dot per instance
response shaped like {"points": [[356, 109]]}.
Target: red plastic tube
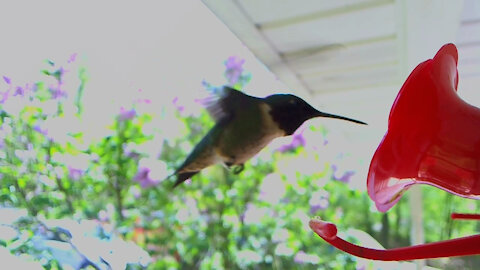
{"points": [[465, 216], [469, 245]]}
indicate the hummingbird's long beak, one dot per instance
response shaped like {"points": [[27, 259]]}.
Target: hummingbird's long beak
{"points": [[327, 115]]}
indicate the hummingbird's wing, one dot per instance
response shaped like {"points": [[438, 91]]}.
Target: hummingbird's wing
{"points": [[226, 101]]}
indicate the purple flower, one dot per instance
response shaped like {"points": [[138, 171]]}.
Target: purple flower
{"points": [[318, 201], [142, 99], [179, 107], [57, 91], [72, 58], [126, 114], [48, 128], [40, 130], [234, 70], [129, 151], [7, 79], [74, 173], [4, 96], [341, 175], [298, 139], [144, 179], [19, 91], [24, 90], [150, 172]]}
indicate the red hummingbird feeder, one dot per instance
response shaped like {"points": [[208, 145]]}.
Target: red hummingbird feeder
{"points": [[433, 138]]}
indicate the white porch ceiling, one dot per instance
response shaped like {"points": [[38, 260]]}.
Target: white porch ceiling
{"points": [[320, 47]]}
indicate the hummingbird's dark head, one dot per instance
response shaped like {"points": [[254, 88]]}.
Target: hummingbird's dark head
{"points": [[290, 112]]}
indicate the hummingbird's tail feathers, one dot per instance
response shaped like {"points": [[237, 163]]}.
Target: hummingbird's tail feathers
{"points": [[182, 177], [327, 115]]}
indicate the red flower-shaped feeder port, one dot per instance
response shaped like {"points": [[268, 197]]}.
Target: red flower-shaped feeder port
{"points": [[433, 138]]}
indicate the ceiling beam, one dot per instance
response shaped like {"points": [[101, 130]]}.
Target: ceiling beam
{"points": [[238, 21]]}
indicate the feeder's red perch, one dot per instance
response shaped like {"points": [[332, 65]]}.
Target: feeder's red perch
{"points": [[465, 216], [450, 248]]}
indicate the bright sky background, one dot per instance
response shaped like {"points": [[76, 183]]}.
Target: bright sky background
{"points": [[166, 49]]}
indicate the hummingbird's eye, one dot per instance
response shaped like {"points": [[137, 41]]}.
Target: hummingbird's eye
{"points": [[293, 101]]}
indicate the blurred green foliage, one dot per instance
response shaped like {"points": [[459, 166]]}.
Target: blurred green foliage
{"points": [[255, 220]]}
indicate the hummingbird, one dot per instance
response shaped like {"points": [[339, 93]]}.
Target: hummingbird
{"points": [[244, 125]]}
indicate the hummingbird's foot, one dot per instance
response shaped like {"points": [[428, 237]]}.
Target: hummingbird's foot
{"points": [[238, 169]]}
